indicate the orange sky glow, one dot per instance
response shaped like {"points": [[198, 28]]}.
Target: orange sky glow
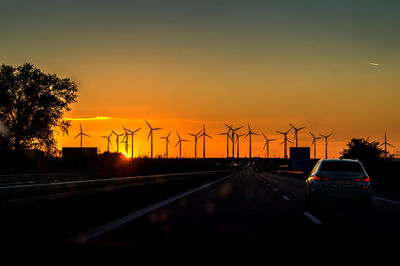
{"points": [[331, 66]]}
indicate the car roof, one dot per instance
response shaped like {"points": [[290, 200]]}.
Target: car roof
{"points": [[340, 160]]}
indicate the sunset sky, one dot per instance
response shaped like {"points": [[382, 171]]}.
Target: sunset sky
{"points": [[332, 66]]}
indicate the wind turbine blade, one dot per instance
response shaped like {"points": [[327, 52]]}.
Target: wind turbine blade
{"points": [[264, 135], [290, 141], [288, 131], [208, 136], [265, 144], [230, 128], [272, 139], [157, 128], [198, 134], [179, 141], [390, 145], [280, 132], [110, 135], [192, 134], [301, 128], [329, 135], [238, 128], [148, 124], [77, 135], [292, 126], [312, 135], [136, 130], [179, 137], [151, 131], [85, 135]]}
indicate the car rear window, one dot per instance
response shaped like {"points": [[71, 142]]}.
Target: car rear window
{"points": [[341, 167]]}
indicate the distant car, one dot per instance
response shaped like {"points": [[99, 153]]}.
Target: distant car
{"points": [[338, 179]]}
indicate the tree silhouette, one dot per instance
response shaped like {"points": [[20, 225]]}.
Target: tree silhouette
{"points": [[32, 105], [368, 152]]}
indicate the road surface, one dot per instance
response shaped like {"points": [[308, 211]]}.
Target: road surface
{"points": [[231, 210]]}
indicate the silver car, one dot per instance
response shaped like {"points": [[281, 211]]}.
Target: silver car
{"points": [[338, 179]]}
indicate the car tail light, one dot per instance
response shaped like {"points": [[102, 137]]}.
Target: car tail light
{"points": [[319, 178], [363, 179]]}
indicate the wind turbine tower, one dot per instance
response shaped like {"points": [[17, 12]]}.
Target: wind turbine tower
{"points": [[249, 134], [180, 144], [151, 135], [233, 137], [81, 134], [131, 133], [227, 141], [326, 143], [204, 135], [267, 141], [166, 144], [195, 142], [108, 141], [237, 143], [285, 141], [117, 135], [314, 142], [386, 144], [295, 131]]}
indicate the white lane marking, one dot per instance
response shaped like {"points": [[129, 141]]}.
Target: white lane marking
{"points": [[86, 236], [312, 218], [285, 198], [275, 189], [387, 200]]}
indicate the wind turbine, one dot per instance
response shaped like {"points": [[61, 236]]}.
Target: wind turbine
{"points": [[249, 134], [180, 144], [151, 134], [195, 142], [227, 141], [132, 133], [314, 142], [117, 135], [237, 143], [295, 131], [204, 135], [166, 144], [81, 134], [108, 141], [386, 144], [233, 137], [285, 141], [126, 141], [267, 143], [326, 143]]}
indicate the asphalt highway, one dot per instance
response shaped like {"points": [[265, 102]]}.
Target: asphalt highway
{"points": [[240, 209], [251, 210]]}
